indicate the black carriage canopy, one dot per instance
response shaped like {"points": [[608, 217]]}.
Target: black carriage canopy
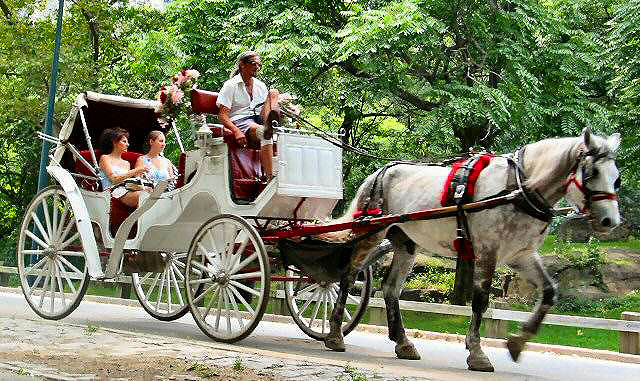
{"points": [[137, 116]]}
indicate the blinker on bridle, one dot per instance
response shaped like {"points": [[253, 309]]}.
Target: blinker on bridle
{"points": [[589, 194]]}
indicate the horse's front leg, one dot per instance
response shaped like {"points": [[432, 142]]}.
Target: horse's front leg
{"points": [[335, 339], [532, 269], [483, 272]]}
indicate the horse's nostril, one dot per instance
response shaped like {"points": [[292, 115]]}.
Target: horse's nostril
{"points": [[606, 222]]}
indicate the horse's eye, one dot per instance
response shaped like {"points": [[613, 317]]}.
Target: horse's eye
{"points": [[616, 185], [594, 172]]}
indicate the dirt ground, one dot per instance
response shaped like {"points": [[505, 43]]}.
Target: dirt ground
{"points": [[141, 368]]}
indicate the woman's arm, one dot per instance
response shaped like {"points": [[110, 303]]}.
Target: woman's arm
{"points": [[107, 168]]}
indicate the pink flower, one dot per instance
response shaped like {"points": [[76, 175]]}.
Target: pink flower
{"points": [[176, 94], [181, 79]]}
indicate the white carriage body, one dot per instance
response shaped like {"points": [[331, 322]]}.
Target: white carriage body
{"points": [[308, 184]]}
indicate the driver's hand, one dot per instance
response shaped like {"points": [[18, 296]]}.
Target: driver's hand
{"points": [[240, 138]]}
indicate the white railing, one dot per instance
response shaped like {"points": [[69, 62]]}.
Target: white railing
{"points": [[495, 319]]}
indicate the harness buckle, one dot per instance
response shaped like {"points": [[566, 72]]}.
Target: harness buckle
{"points": [[459, 191]]}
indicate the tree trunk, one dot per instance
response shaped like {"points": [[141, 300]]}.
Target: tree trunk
{"points": [[7, 12]]}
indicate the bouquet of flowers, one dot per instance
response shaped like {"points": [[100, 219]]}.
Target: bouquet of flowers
{"points": [[176, 97]]}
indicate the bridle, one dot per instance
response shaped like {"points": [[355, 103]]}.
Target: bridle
{"points": [[587, 173]]}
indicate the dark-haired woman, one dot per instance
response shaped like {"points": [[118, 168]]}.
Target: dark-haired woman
{"points": [[114, 170]]}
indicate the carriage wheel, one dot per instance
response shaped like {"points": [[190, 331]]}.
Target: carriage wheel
{"points": [[51, 260], [311, 303], [162, 294], [228, 260]]}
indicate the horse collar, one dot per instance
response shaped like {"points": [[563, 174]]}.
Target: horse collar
{"points": [[529, 201]]}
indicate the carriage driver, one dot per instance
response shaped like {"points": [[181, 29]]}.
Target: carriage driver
{"points": [[244, 104]]}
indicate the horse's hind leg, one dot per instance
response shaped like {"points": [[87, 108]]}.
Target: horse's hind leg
{"points": [[532, 269], [483, 272], [403, 259]]}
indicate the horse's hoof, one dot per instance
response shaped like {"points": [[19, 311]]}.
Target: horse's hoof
{"points": [[479, 363], [334, 343], [407, 352], [515, 345]]}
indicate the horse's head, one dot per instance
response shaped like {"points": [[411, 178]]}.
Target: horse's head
{"points": [[595, 180]]}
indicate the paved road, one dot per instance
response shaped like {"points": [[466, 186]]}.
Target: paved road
{"points": [[440, 360]]}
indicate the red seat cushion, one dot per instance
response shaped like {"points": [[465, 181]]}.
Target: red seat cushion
{"points": [[182, 162], [204, 102], [119, 212]]}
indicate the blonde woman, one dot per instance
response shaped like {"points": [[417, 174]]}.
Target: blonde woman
{"points": [[158, 167]]}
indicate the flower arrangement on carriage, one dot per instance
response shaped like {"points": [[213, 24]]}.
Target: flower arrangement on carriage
{"points": [[175, 98]]}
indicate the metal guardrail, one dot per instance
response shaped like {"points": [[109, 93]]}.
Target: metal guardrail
{"points": [[495, 319]]}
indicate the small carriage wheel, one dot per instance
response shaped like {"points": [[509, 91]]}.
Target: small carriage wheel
{"points": [[51, 260], [311, 303], [228, 259], [162, 294]]}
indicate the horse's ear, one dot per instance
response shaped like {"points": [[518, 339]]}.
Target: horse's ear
{"points": [[613, 142], [586, 134]]}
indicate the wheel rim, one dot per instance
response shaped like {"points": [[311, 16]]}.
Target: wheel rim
{"points": [[162, 294], [227, 259], [311, 303], [51, 260]]}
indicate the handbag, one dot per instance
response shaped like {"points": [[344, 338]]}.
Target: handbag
{"points": [[137, 184]]}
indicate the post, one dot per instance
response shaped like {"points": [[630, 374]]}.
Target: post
{"points": [[48, 126], [378, 315], [630, 341], [494, 328], [125, 290], [279, 304]]}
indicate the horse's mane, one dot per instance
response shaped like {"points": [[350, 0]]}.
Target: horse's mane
{"points": [[548, 160]]}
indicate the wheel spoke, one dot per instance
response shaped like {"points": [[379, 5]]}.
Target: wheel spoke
{"points": [[36, 266], [219, 309], [67, 242], [201, 267], [353, 298], [227, 310], [204, 293], [230, 233], [324, 315], [54, 224], [177, 272], [244, 263], [175, 284], [52, 295], [243, 301], [160, 291], [213, 297], [236, 312], [32, 252], [47, 220], [71, 253], [238, 254], [315, 311], [201, 281], [153, 286], [144, 279], [243, 287], [308, 302], [246, 275], [36, 239], [69, 282], [70, 266], [168, 276], [66, 230], [63, 220], [59, 281], [307, 289], [38, 224]]}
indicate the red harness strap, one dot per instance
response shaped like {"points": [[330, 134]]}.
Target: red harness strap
{"points": [[447, 193]]}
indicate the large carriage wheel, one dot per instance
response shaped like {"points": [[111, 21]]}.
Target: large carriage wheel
{"points": [[311, 303], [162, 294], [51, 260], [228, 259]]}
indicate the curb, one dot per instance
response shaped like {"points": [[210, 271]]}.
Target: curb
{"points": [[427, 335]]}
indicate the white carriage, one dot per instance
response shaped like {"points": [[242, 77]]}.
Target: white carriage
{"points": [[199, 247]]}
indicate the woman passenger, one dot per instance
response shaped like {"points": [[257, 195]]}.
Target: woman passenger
{"points": [[159, 167], [114, 170]]}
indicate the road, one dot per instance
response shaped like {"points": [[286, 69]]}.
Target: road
{"points": [[441, 360]]}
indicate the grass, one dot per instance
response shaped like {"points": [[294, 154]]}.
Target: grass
{"points": [[550, 244]]}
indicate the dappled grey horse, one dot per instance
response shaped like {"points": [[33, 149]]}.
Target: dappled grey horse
{"points": [[580, 169]]}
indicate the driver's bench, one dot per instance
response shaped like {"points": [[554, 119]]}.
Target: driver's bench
{"points": [[244, 162]]}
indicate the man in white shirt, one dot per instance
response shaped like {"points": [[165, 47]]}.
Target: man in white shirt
{"points": [[244, 104]]}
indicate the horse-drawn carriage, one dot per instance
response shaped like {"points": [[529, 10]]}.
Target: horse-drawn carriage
{"points": [[197, 246], [202, 247]]}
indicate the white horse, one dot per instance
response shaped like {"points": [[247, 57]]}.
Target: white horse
{"points": [[580, 169]]}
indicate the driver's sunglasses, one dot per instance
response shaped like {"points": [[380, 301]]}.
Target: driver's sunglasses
{"points": [[255, 63]]}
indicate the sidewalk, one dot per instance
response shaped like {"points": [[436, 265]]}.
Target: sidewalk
{"points": [[47, 350]]}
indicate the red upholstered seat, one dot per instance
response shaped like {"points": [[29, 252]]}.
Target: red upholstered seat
{"points": [[204, 102], [182, 162]]}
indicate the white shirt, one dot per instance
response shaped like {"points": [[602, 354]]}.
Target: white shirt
{"points": [[234, 96]]}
